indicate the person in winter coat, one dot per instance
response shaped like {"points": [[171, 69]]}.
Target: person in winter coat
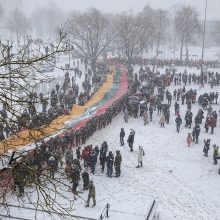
{"points": [[177, 108], [68, 170], [75, 177], [189, 139], [96, 150], [93, 161], [145, 117], [206, 147], [110, 162], [103, 155], [85, 177], [122, 135], [215, 154], [206, 125], [69, 156], [209, 111], [19, 174], [216, 97], [140, 156], [167, 115], [126, 114], [53, 165], [178, 121], [151, 110], [78, 153], [188, 119], [196, 133], [162, 120], [91, 194], [212, 123], [117, 163], [86, 154], [130, 140]]}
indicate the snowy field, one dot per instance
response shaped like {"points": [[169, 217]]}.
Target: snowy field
{"points": [[185, 183]]}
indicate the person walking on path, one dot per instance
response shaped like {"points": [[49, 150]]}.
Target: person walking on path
{"points": [[130, 140], [126, 114], [162, 120], [91, 194], [122, 135], [140, 157], [189, 139]]}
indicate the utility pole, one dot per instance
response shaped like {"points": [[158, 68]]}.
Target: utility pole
{"points": [[203, 43]]}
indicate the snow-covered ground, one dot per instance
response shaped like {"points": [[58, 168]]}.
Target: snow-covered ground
{"points": [[185, 183]]}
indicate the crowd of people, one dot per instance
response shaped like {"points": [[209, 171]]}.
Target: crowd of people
{"points": [[60, 102], [148, 94], [161, 102]]}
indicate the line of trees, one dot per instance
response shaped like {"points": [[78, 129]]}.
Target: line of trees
{"points": [[94, 32]]}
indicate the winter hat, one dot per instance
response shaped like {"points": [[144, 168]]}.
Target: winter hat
{"points": [[51, 158]]}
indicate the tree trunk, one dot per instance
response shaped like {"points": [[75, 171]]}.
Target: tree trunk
{"points": [[93, 65], [18, 38], [181, 49], [157, 48], [187, 50]]}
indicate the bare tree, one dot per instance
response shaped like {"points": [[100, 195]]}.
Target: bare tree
{"points": [[45, 19], [133, 32], [186, 25], [160, 22], [18, 75], [18, 24], [90, 34], [216, 32], [1, 12], [19, 81]]}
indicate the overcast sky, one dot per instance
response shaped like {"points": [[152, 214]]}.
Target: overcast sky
{"points": [[213, 11]]}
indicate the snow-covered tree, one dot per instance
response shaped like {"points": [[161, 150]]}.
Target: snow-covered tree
{"points": [[18, 24], [216, 32], [90, 34], [186, 26], [45, 19], [133, 33]]}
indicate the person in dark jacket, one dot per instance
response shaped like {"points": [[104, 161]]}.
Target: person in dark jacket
{"points": [[196, 133], [151, 110], [188, 119], [91, 194], [207, 124], [212, 123], [75, 177], [206, 147], [110, 162], [177, 108], [52, 165], [117, 163], [85, 177], [93, 161], [178, 121], [215, 154], [78, 153], [122, 135], [103, 154], [130, 140]]}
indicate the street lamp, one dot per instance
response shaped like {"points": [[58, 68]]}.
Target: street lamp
{"points": [[203, 43]]}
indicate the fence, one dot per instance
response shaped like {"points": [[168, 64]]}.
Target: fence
{"points": [[152, 214], [105, 212], [39, 210]]}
